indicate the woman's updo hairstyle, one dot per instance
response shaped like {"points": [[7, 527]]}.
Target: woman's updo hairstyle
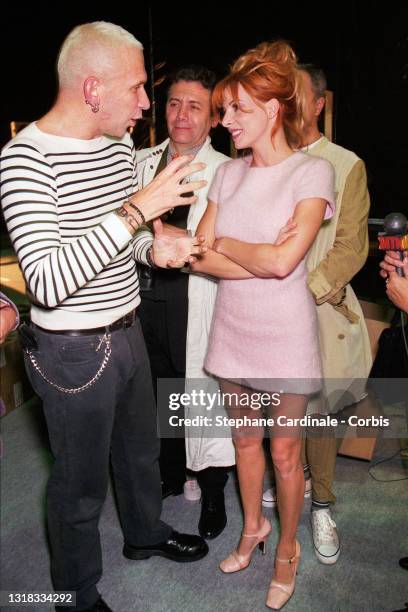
{"points": [[268, 71]]}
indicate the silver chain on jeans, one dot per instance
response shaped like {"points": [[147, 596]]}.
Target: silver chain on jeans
{"points": [[108, 349]]}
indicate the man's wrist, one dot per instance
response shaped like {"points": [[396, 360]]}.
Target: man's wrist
{"points": [[130, 219]]}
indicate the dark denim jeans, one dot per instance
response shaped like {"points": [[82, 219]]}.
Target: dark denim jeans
{"points": [[113, 419]]}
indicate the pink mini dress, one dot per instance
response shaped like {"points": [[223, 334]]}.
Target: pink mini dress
{"points": [[264, 330]]}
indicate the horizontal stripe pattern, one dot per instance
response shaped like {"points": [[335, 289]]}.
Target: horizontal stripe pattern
{"points": [[58, 198]]}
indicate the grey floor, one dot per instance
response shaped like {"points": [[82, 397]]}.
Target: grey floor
{"points": [[372, 518]]}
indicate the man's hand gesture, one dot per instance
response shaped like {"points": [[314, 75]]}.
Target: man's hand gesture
{"points": [[173, 248], [167, 189]]}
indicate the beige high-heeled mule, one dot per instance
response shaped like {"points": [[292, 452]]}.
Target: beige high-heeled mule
{"points": [[236, 562], [280, 592]]}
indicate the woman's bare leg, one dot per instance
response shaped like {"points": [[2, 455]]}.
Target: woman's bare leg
{"points": [[286, 445], [250, 460]]}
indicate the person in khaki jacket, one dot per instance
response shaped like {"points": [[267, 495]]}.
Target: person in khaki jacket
{"points": [[338, 253]]}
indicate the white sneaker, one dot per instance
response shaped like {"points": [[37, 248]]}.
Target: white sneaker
{"points": [[269, 496], [325, 536], [192, 491]]}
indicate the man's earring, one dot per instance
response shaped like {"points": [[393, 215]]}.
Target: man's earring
{"points": [[94, 107]]}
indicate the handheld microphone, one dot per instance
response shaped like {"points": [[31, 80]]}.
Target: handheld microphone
{"points": [[395, 236]]}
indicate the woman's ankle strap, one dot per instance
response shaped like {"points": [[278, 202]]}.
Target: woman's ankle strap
{"points": [[293, 559]]}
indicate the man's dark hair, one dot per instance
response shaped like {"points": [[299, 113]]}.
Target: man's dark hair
{"points": [[194, 72], [318, 78]]}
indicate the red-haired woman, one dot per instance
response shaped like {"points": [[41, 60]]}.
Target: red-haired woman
{"points": [[264, 334]]}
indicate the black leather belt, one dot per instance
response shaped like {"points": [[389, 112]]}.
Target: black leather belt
{"points": [[126, 321]]}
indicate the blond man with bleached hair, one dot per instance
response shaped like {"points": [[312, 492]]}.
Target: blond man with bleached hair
{"points": [[70, 179], [91, 44]]}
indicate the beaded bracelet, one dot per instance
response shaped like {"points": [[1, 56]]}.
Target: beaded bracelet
{"points": [[137, 209]]}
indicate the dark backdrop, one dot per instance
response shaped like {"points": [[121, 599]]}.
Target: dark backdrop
{"points": [[364, 51]]}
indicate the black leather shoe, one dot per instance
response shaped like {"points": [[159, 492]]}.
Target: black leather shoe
{"points": [[213, 517], [180, 547], [171, 489], [99, 606], [404, 562]]}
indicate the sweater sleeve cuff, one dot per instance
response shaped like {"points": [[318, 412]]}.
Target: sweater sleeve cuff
{"points": [[117, 230], [141, 244]]}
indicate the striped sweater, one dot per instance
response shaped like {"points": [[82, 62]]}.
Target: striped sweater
{"points": [[77, 257]]}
